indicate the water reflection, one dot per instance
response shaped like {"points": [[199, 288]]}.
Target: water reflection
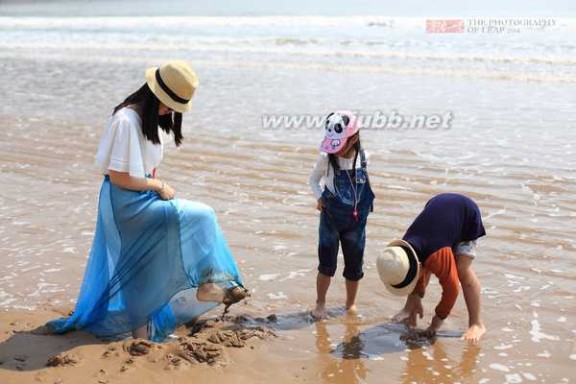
{"points": [[426, 358], [433, 365], [349, 367]]}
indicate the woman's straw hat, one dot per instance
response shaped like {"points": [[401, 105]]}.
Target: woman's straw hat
{"points": [[174, 84], [398, 267]]}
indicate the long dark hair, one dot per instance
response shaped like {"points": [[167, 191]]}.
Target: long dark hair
{"points": [[148, 105], [334, 162]]}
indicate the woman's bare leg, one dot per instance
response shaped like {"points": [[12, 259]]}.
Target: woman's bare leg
{"points": [[141, 333]]}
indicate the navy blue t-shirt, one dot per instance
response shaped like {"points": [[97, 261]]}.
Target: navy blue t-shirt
{"points": [[447, 219]]}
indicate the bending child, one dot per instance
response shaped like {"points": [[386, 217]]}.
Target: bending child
{"points": [[344, 205], [441, 241]]}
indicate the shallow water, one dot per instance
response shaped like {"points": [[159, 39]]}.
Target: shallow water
{"points": [[511, 148]]}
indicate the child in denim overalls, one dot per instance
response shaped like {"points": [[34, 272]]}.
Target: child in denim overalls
{"points": [[344, 204]]}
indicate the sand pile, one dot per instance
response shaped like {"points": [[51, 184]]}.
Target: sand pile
{"points": [[26, 356]]}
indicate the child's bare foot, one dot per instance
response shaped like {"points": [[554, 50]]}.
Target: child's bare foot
{"points": [[319, 312], [474, 333], [352, 309]]}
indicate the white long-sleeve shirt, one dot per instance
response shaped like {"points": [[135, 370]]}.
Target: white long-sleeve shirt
{"points": [[323, 175]]}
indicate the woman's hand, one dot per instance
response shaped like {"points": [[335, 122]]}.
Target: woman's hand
{"points": [[320, 205], [166, 192]]}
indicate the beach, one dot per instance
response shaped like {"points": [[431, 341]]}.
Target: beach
{"points": [[509, 146]]}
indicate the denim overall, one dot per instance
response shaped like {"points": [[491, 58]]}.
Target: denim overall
{"points": [[343, 221]]}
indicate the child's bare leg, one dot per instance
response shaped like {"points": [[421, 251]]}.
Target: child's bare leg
{"points": [[322, 285], [210, 292], [351, 291], [471, 290]]}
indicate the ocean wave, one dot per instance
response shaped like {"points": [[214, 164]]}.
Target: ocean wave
{"points": [[399, 69], [345, 43], [231, 21], [311, 48]]}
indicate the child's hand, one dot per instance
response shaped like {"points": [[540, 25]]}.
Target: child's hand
{"points": [[320, 205], [435, 324], [412, 309], [401, 317]]}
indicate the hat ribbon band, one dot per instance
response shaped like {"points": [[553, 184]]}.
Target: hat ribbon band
{"points": [[411, 275], [168, 91]]}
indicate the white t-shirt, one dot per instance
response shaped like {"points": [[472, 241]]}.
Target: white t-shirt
{"points": [[322, 174], [123, 147]]}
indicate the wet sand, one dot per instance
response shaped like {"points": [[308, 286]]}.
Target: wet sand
{"points": [[267, 213], [519, 170]]}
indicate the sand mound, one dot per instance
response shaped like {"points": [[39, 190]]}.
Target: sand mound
{"points": [[209, 339], [62, 359]]}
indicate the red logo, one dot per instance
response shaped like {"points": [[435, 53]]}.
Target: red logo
{"points": [[445, 26]]}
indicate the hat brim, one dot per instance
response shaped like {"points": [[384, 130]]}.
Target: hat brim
{"points": [[333, 145], [163, 96], [413, 258]]}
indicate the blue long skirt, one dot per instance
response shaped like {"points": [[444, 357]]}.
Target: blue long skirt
{"points": [[147, 260]]}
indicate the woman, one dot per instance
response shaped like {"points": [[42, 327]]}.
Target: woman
{"points": [[156, 262]]}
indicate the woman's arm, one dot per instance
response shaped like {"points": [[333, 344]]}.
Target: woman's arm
{"points": [[124, 180]]}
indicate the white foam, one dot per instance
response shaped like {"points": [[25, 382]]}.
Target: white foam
{"points": [[503, 347], [573, 356], [31, 268], [510, 276], [7, 302], [268, 277], [497, 213], [44, 288], [529, 376], [499, 367], [295, 274], [561, 319], [522, 288], [513, 378], [537, 335], [278, 296], [545, 354]]}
